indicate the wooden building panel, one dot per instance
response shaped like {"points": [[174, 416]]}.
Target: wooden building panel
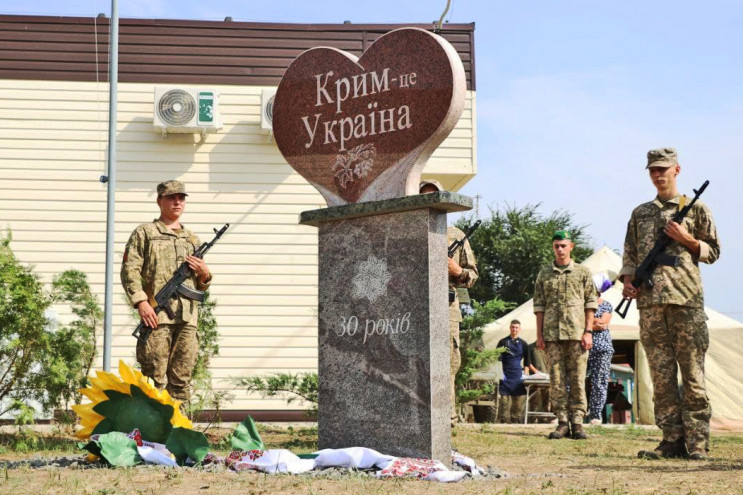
{"points": [[172, 51]]}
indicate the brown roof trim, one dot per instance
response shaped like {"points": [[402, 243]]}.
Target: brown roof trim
{"points": [[184, 51], [233, 24]]}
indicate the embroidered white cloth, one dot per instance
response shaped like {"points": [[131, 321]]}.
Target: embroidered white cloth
{"points": [[396, 467], [426, 469], [276, 461], [282, 461]]}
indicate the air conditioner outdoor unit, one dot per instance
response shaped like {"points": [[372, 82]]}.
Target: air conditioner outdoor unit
{"points": [[181, 109], [267, 98]]}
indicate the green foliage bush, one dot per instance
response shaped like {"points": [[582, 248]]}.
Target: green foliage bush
{"points": [[300, 387], [24, 337], [65, 369], [41, 361], [204, 395], [475, 358], [513, 245]]}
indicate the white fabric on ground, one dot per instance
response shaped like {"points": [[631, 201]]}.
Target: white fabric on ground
{"points": [[151, 455], [276, 461], [353, 457], [283, 461]]}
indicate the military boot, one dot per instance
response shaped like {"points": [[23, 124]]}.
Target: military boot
{"points": [[561, 431], [667, 450], [578, 433], [698, 454]]}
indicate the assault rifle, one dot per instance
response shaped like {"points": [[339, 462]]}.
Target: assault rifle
{"points": [[175, 286], [455, 246], [644, 272]]}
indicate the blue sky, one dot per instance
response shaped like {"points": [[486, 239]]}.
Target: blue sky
{"points": [[570, 96]]}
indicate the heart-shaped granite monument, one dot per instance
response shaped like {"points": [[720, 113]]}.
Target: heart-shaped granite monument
{"points": [[362, 129]]}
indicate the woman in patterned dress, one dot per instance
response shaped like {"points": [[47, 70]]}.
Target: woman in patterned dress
{"points": [[599, 357]]}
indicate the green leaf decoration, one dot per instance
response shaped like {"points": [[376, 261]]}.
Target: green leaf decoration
{"points": [[308, 456], [246, 436], [184, 443], [125, 412], [118, 449], [93, 447], [104, 426]]}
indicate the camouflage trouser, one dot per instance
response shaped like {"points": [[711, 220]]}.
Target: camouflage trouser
{"points": [[455, 361], [676, 337], [511, 408], [169, 357], [568, 367]]}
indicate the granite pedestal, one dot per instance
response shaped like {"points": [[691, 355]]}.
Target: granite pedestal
{"points": [[383, 325]]}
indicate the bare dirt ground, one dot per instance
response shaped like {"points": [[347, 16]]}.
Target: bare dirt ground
{"points": [[606, 463]]}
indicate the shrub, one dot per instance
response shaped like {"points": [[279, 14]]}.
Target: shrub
{"points": [[475, 358], [300, 387], [23, 327], [40, 361]]}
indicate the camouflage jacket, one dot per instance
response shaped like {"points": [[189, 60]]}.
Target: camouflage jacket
{"points": [[466, 259], [564, 295], [680, 285], [153, 254]]}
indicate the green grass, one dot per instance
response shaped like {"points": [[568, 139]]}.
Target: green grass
{"points": [[28, 441], [726, 440], [605, 464]]}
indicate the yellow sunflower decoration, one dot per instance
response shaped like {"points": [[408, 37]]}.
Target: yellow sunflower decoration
{"points": [[128, 402]]}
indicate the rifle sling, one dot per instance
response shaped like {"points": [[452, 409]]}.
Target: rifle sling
{"points": [[666, 260], [682, 202]]}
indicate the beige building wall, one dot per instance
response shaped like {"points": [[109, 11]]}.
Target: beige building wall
{"points": [[53, 149]]}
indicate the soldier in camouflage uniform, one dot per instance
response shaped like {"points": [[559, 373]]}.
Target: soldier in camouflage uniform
{"points": [[673, 327], [154, 252], [564, 304], [462, 274]]}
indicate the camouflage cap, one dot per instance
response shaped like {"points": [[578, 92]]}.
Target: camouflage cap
{"points": [[662, 157], [431, 182], [561, 235], [171, 187]]}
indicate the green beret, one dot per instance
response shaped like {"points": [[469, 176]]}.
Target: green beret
{"points": [[561, 235]]}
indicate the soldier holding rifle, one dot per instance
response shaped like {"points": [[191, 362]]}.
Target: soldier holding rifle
{"points": [[462, 274], [673, 327], [154, 252]]}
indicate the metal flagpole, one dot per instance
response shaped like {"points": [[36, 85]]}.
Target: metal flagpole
{"points": [[113, 77]]}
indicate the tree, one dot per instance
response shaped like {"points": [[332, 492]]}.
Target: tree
{"points": [[64, 367], [23, 335], [40, 361], [513, 245], [474, 357]]}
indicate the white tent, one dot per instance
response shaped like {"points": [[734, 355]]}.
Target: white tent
{"points": [[725, 353]]}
